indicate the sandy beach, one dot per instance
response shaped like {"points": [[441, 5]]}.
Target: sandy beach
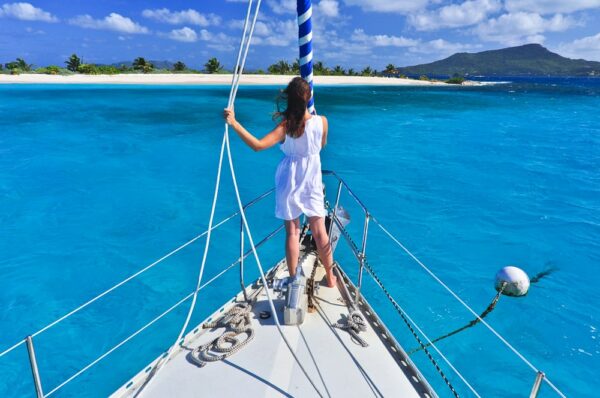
{"points": [[206, 79]]}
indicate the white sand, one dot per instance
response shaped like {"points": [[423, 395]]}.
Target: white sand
{"points": [[202, 79]]}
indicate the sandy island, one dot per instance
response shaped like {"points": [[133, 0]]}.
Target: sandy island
{"points": [[207, 79]]}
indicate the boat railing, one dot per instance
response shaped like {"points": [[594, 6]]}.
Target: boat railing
{"points": [[359, 251]]}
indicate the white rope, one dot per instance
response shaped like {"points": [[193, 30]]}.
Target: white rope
{"points": [[245, 43], [235, 81], [457, 297]]}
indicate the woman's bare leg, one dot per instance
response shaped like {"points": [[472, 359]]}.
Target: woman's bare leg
{"points": [[292, 244], [319, 233]]}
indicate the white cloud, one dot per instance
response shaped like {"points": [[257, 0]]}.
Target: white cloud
{"points": [[586, 48], [282, 6], [277, 33], [359, 36], [521, 27], [396, 6], [189, 16], [325, 8], [442, 48], [113, 21], [271, 32], [328, 8], [455, 15], [184, 34], [26, 12], [550, 6]]}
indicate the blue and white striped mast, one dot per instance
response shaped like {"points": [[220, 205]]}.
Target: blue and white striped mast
{"points": [[304, 8]]}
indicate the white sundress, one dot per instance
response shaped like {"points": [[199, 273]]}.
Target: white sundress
{"points": [[298, 180]]}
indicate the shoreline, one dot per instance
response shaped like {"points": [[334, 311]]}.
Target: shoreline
{"points": [[212, 79]]}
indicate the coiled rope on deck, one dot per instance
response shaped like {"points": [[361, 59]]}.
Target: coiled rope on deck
{"points": [[236, 322]]}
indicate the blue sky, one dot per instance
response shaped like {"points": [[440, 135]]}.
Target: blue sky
{"points": [[352, 33]]}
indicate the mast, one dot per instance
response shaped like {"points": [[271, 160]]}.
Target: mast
{"points": [[304, 9]]}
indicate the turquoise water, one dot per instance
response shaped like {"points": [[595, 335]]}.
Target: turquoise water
{"points": [[98, 181]]}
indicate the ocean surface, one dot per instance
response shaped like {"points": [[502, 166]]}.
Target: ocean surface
{"points": [[96, 182]]}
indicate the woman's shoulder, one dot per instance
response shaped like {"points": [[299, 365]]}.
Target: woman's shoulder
{"points": [[324, 122]]}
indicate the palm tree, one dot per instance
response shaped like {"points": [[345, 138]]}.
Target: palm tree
{"points": [[296, 67], [351, 72], [213, 66], [338, 70], [73, 63], [179, 66], [280, 68], [18, 65], [319, 68], [24, 66], [367, 71], [141, 64], [390, 69]]}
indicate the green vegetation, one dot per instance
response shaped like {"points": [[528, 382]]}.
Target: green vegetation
{"points": [[18, 66], [280, 68], [526, 60], [179, 67], [424, 78], [390, 69], [319, 68], [73, 63], [338, 71], [91, 69], [140, 64], [51, 70], [456, 80], [368, 72], [213, 66]]}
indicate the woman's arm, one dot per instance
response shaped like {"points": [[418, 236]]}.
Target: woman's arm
{"points": [[325, 131], [274, 137]]}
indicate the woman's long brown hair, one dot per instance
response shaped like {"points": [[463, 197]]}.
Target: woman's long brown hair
{"points": [[296, 95]]}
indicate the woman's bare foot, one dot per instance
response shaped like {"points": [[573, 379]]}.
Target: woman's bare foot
{"points": [[331, 280]]}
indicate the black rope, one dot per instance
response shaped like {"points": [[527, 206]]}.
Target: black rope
{"points": [[474, 322], [542, 274]]}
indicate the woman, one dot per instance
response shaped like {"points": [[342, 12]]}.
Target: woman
{"points": [[298, 181]]}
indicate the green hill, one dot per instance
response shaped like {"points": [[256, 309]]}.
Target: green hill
{"points": [[526, 60]]}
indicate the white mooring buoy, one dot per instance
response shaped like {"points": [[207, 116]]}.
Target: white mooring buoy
{"points": [[516, 280]]}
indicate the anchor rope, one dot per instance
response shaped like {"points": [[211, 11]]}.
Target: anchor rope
{"points": [[472, 323]]}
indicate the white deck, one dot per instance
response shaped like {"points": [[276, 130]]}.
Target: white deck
{"points": [[265, 368]]}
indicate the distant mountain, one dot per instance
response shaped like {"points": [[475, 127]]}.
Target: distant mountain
{"points": [[157, 64], [526, 60]]}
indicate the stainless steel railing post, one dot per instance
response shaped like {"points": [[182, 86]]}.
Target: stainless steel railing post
{"points": [[337, 202], [34, 368], [242, 259], [537, 384], [363, 256]]}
